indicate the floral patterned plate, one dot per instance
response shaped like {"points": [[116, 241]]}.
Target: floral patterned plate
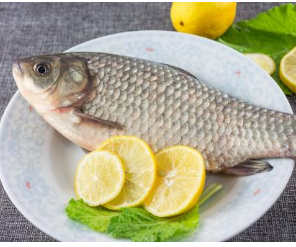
{"points": [[37, 164]]}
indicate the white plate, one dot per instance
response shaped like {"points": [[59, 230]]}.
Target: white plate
{"points": [[37, 164]]}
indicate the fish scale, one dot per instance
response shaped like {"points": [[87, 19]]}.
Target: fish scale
{"points": [[163, 105], [182, 111]]}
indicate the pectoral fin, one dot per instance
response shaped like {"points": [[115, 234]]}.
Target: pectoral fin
{"points": [[249, 167], [84, 116]]}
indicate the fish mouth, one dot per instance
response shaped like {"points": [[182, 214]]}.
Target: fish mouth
{"points": [[17, 69]]}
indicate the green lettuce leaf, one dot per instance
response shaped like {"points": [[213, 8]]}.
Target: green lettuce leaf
{"points": [[143, 226], [136, 223], [139, 225], [272, 33], [97, 218]]}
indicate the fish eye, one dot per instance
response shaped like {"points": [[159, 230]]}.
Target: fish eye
{"points": [[42, 69]]}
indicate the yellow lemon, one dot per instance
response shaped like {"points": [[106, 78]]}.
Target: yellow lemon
{"points": [[140, 168], [99, 177], [179, 182], [264, 61], [209, 20], [288, 70]]}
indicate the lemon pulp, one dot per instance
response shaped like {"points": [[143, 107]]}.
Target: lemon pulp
{"points": [[99, 177], [263, 61], [179, 182], [288, 70], [140, 168]]}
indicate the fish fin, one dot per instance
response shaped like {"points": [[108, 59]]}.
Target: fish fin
{"points": [[85, 150], [249, 167], [82, 115], [181, 70]]}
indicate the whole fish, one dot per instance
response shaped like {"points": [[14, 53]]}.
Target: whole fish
{"points": [[90, 97]]}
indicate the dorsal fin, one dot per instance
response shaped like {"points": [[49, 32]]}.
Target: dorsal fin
{"points": [[180, 70]]}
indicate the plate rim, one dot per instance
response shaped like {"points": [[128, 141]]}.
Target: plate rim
{"points": [[4, 180], [17, 94]]}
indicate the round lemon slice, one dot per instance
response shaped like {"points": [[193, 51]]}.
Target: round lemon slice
{"points": [[288, 70], [179, 182], [99, 177], [140, 170], [263, 61]]}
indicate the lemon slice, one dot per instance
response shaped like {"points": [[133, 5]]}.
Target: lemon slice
{"points": [[263, 61], [99, 177], [179, 182], [288, 70], [140, 168]]}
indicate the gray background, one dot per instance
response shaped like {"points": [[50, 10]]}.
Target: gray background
{"points": [[34, 28]]}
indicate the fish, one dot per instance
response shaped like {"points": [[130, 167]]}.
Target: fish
{"points": [[90, 96]]}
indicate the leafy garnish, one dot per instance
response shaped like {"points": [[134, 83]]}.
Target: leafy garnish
{"points": [[136, 223], [272, 33], [209, 192], [139, 225], [143, 226], [97, 218]]}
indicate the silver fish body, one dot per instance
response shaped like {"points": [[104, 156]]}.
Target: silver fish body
{"points": [[162, 105]]}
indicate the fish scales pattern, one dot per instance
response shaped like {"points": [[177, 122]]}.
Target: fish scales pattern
{"points": [[165, 107]]}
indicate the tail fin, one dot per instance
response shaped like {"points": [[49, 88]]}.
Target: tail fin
{"points": [[249, 167]]}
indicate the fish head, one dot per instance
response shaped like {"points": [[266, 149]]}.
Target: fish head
{"points": [[51, 82]]}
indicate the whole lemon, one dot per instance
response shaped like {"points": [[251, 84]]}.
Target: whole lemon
{"points": [[209, 20]]}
